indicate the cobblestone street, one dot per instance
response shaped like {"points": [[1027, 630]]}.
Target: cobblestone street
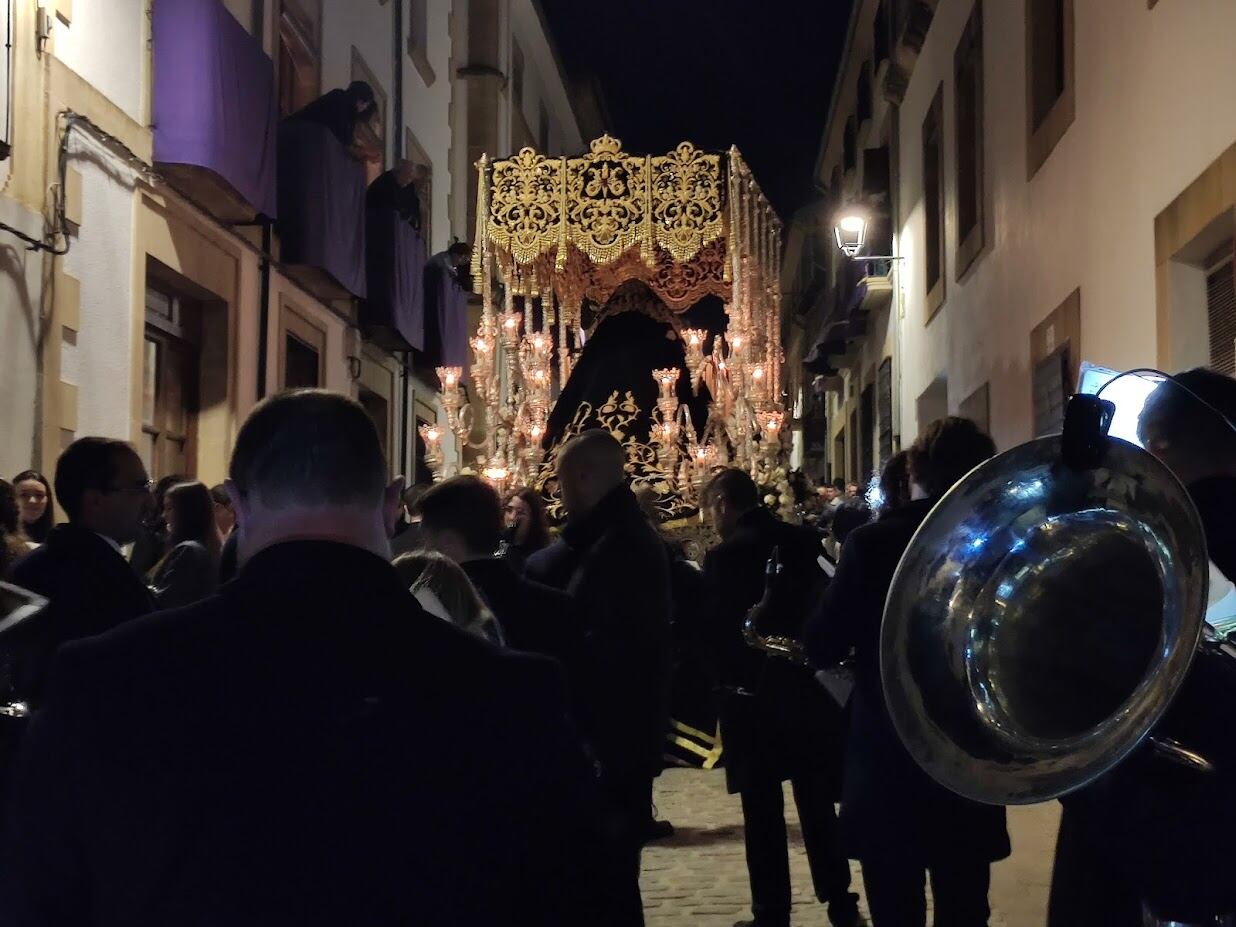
{"points": [[699, 876]]}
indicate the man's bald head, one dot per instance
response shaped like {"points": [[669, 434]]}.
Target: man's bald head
{"points": [[590, 466]]}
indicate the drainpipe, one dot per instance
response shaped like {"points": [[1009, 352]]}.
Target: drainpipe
{"points": [[397, 98], [264, 311]]}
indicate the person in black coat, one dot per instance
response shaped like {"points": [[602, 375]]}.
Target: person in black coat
{"points": [[896, 820], [1149, 831], [341, 110], [104, 490], [777, 723], [308, 746], [462, 518], [613, 564]]}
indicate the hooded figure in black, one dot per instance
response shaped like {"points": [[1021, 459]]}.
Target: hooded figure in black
{"points": [[636, 335], [340, 110]]}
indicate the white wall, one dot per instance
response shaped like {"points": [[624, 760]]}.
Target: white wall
{"points": [[427, 112], [106, 44], [20, 294], [100, 258], [1154, 108], [544, 80]]}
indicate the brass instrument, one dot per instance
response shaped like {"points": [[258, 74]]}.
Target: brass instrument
{"points": [[1045, 614], [778, 645]]}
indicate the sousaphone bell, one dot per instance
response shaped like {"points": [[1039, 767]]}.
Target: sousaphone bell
{"points": [[1044, 615]]}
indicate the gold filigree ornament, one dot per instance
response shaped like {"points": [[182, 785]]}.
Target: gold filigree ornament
{"points": [[686, 197], [525, 205]]}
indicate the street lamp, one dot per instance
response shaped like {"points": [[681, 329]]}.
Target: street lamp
{"points": [[851, 232]]}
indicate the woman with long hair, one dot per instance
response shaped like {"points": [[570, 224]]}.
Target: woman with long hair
{"points": [[444, 590], [12, 541], [527, 527], [36, 503], [189, 569], [895, 820]]}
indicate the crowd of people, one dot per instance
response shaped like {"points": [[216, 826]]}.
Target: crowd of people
{"points": [[313, 695]]}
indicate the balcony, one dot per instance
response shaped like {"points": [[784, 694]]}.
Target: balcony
{"points": [[214, 110], [393, 314], [321, 211]]}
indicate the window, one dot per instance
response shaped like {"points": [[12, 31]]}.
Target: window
{"points": [[1221, 310], [933, 205], [378, 410], [836, 469], [418, 39], [171, 355], [302, 347], [517, 74], [1055, 348], [854, 442], [371, 136], [1049, 77], [867, 451], [884, 401], [849, 145], [299, 53], [413, 152], [862, 104], [932, 403], [968, 102], [977, 408], [880, 30]]}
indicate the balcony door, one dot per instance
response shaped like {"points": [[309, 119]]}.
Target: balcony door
{"points": [[171, 363]]}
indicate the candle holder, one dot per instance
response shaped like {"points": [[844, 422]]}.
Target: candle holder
{"points": [[693, 348], [434, 458]]}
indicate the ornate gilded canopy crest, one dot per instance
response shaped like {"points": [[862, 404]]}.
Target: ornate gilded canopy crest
{"points": [[554, 232]]}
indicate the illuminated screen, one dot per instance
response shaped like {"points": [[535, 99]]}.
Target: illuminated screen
{"points": [[1128, 393]]}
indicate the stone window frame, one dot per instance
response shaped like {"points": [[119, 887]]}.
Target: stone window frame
{"points": [[968, 65], [1041, 140], [933, 126]]}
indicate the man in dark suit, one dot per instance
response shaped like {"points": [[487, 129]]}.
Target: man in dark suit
{"points": [[462, 518], [614, 566], [307, 746], [103, 487], [777, 722]]}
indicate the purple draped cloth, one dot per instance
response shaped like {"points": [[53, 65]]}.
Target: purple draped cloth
{"points": [[321, 203], [393, 314], [214, 98], [446, 315]]}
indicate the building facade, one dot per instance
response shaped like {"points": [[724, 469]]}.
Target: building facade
{"points": [[160, 303], [1062, 192]]}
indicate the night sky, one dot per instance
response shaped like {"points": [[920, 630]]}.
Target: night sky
{"points": [[753, 73]]}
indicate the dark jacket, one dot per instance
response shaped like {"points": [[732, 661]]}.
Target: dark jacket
{"points": [[186, 575], [533, 617], [614, 566], [788, 725], [889, 805], [308, 747], [551, 565], [1150, 829], [91, 589]]}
